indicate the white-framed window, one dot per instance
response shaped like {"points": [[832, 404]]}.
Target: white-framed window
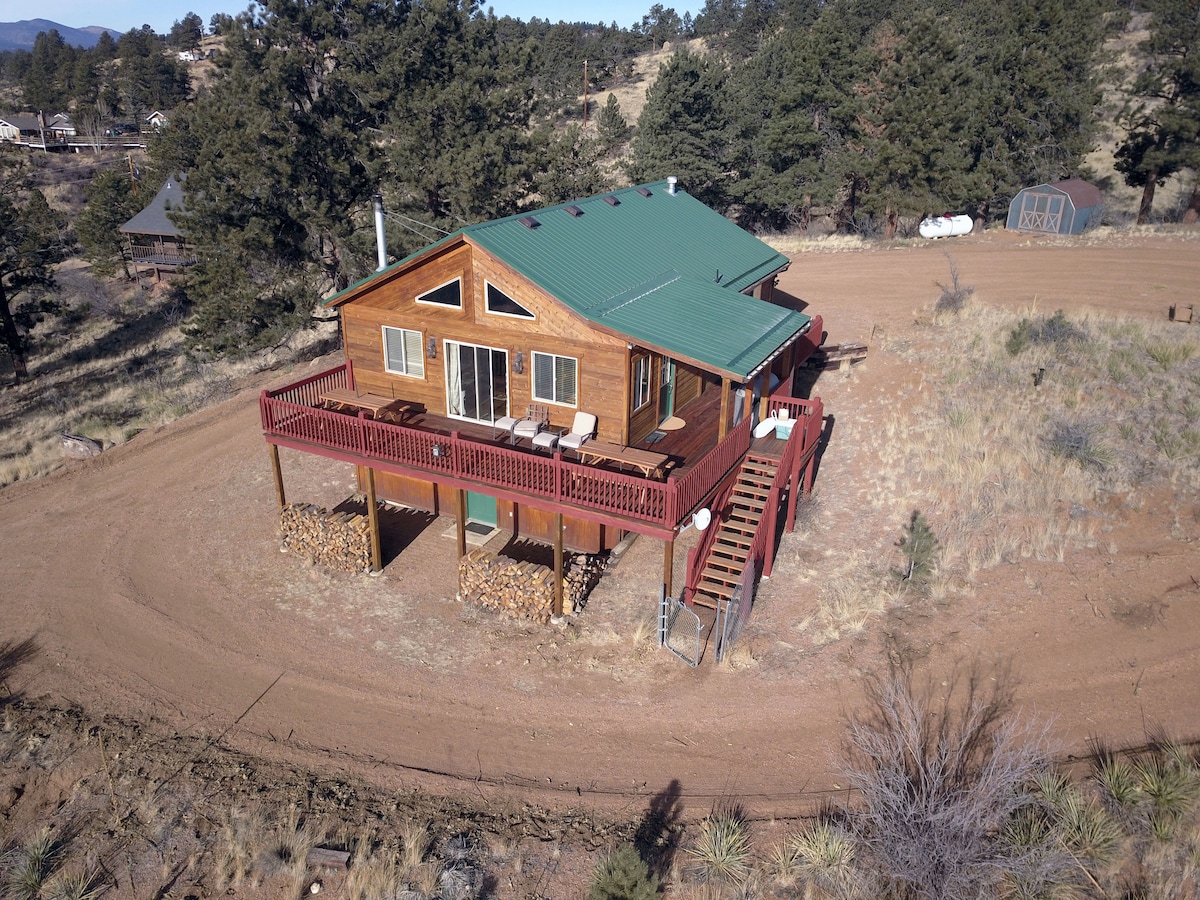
{"points": [[555, 378], [641, 381], [448, 294], [500, 304], [402, 352]]}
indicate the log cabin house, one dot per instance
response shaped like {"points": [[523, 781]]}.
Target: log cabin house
{"points": [[642, 308]]}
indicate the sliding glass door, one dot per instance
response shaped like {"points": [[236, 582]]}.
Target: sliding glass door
{"points": [[476, 382]]}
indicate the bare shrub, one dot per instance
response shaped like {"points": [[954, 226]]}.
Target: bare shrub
{"points": [[954, 295], [939, 779], [1079, 442]]}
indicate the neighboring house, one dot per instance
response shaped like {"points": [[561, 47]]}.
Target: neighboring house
{"points": [[37, 130], [1059, 207], [641, 307], [157, 120], [155, 242]]}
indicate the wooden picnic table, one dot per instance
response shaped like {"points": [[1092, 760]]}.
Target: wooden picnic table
{"points": [[375, 404], [651, 464]]}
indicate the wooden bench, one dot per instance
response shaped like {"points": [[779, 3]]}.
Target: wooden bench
{"points": [[649, 463], [377, 405]]}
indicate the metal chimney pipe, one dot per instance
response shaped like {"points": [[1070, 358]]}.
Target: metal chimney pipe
{"points": [[671, 182], [380, 239]]}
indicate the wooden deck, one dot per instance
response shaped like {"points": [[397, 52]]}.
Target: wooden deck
{"points": [[473, 456]]}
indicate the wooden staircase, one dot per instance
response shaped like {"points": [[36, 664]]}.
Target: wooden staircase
{"points": [[731, 549]]}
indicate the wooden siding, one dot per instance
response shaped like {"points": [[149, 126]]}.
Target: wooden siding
{"points": [[554, 330], [688, 385], [643, 421]]}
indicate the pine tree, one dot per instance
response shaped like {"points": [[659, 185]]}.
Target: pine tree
{"points": [[682, 130], [31, 242], [1162, 115], [611, 126], [44, 85], [110, 204], [570, 166], [920, 548], [623, 875], [917, 124], [1037, 82]]}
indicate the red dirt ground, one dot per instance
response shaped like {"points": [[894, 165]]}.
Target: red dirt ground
{"points": [[152, 581]]}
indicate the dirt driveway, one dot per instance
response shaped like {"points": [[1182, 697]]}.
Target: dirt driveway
{"points": [[152, 581]]}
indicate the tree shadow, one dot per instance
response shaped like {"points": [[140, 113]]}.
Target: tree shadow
{"points": [[14, 654], [660, 828]]}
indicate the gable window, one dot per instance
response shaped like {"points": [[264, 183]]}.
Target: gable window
{"points": [[402, 352], [501, 304], [448, 294], [554, 378], [641, 381]]}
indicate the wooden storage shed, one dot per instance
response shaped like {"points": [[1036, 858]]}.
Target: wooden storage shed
{"points": [[1058, 207]]}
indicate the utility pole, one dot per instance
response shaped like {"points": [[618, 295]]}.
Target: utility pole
{"points": [[132, 177], [585, 94]]}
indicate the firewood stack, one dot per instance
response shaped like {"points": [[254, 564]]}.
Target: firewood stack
{"points": [[523, 590], [339, 540]]}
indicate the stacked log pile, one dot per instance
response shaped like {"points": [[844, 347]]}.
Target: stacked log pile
{"points": [[524, 590], [339, 540]]}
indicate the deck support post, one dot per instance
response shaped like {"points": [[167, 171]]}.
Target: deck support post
{"points": [[460, 520], [723, 420], [558, 564], [373, 519], [764, 398], [769, 551], [274, 450], [668, 565]]}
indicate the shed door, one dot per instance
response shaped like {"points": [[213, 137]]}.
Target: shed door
{"points": [[1041, 212]]}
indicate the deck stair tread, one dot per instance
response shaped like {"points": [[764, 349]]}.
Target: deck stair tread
{"points": [[730, 551]]}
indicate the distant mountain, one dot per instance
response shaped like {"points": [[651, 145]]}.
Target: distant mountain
{"points": [[21, 35]]}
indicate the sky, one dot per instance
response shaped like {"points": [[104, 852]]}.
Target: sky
{"points": [[122, 15]]}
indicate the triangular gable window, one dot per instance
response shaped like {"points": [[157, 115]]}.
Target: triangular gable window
{"points": [[449, 294], [501, 304]]}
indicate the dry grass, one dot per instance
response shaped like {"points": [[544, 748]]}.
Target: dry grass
{"points": [[1004, 469], [111, 365]]}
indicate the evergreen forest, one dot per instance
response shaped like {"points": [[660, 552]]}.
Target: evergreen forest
{"points": [[859, 116]]}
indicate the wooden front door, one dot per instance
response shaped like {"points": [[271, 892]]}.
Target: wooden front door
{"points": [[476, 382]]}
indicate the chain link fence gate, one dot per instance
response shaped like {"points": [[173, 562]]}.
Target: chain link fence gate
{"points": [[734, 613], [679, 629]]}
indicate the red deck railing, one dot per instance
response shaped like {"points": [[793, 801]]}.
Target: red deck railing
{"points": [[292, 415], [794, 468]]}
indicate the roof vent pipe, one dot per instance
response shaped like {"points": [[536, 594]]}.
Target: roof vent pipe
{"points": [[380, 239], [671, 182]]}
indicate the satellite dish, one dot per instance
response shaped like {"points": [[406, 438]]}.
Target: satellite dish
{"points": [[701, 518]]}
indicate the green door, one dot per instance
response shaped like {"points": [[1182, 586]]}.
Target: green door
{"points": [[481, 508]]}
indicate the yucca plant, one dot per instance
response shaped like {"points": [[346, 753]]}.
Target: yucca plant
{"points": [[1118, 781], [1089, 832], [31, 865], [826, 858], [722, 850], [1170, 783], [81, 885]]}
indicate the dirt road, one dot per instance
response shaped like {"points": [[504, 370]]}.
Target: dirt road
{"points": [[152, 582]]}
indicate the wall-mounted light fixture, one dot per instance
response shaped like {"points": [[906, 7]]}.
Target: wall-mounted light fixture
{"points": [[519, 363], [437, 451], [431, 349]]}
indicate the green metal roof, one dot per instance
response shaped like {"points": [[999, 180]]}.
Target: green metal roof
{"points": [[659, 267]]}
